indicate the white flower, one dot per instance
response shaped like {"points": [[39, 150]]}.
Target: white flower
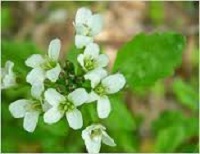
{"points": [[93, 135], [87, 26], [65, 106], [27, 109], [8, 78], [91, 59], [102, 87], [44, 67]]}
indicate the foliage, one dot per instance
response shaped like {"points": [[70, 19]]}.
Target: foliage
{"points": [[172, 129], [185, 94], [144, 60], [147, 58]]}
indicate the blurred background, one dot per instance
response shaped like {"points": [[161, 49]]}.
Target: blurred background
{"points": [[160, 118]]}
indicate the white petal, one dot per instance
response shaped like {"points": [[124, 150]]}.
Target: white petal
{"points": [[83, 15], [81, 41], [95, 76], [103, 107], [46, 106], [106, 139], [92, 97], [96, 24], [9, 67], [30, 121], [54, 49], [3, 72], [18, 108], [37, 89], [9, 80], [35, 76], [93, 145], [53, 115], [102, 60], [114, 83], [78, 96], [91, 51], [53, 97], [80, 59], [74, 119], [53, 73], [34, 61]]}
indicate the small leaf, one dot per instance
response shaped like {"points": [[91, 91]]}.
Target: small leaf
{"points": [[169, 139], [186, 95], [147, 58]]}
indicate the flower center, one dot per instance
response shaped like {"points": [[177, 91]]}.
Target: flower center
{"points": [[95, 133], [35, 106], [48, 64], [66, 106], [87, 30], [89, 64], [100, 90]]}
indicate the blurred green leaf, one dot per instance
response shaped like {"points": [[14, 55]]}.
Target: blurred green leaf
{"points": [[17, 52], [6, 18], [172, 129], [185, 94], [120, 125], [60, 128], [119, 111], [147, 58], [169, 139], [188, 148], [156, 12], [166, 118]]}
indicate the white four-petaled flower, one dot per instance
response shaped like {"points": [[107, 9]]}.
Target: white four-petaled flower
{"points": [[29, 109], [93, 136], [91, 59], [8, 78], [87, 26], [65, 106], [103, 85], [44, 67]]}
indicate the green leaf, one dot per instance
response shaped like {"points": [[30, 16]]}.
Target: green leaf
{"points": [[169, 139], [58, 129], [119, 111], [18, 52], [186, 94], [172, 129], [147, 58], [121, 126], [126, 141]]}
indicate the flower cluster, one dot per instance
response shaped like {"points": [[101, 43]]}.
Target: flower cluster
{"points": [[57, 90]]}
